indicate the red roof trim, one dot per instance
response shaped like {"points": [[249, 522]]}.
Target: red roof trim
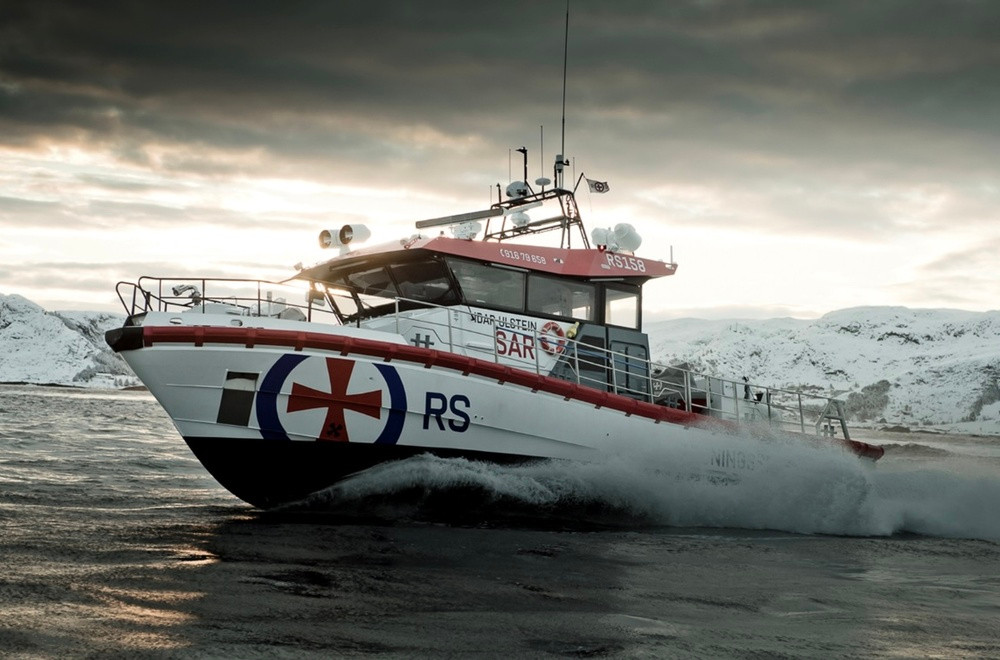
{"points": [[559, 261]]}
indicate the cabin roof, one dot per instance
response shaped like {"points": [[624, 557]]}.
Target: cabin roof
{"points": [[582, 263]]}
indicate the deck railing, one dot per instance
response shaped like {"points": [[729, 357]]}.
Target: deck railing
{"points": [[670, 385], [237, 297], [674, 386]]}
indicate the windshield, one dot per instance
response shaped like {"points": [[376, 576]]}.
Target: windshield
{"points": [[379, 287], [425, 281], [489, 286]]}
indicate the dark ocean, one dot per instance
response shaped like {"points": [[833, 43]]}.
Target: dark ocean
{"points": [[114, 542]]}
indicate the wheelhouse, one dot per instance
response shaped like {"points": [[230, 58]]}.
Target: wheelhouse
{"points": [[597, 320], [382, 284]]}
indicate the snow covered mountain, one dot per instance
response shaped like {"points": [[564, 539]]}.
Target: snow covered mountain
{"points": [[893, 365], [58, 348]]}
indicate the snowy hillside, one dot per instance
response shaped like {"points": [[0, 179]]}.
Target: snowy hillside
{"points": [[913, 367], [58, 348]]}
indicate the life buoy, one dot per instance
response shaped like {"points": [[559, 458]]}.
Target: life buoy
{"points": [[552, 338]]}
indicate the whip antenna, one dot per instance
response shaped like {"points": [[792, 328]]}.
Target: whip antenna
{"points": [[565, 58]]}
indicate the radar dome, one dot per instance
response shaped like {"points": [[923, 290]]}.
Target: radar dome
{"points": [[600, 235], [627, 237], [519, 218], [517, 189]]}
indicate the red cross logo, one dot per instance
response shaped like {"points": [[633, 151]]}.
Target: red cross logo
{"points": [[336, 400]]}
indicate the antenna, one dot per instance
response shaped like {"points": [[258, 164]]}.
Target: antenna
{"points": [[565, 59], [542, 181]]}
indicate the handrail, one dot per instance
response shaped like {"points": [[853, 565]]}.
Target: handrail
{"points": [[669, 385], [241, 297], [790, 410]]}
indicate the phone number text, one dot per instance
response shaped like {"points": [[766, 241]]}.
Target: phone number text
{"points": [[514, 255]]}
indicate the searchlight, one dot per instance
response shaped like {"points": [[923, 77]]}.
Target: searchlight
{"points": [[342, 237]]}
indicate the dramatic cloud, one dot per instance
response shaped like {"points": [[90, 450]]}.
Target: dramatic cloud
{"points": [[865, 127]]}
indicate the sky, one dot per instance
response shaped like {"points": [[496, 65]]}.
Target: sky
{"points": [[794, 158]]}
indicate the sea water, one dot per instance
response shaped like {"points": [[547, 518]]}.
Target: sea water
{"points": [[115, 542]]}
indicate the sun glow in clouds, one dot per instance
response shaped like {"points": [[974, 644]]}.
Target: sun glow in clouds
{"points": [[797, 164]]}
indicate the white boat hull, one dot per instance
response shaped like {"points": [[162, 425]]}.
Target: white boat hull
{"points": [[276, 414]]}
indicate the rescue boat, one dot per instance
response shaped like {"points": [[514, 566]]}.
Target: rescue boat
{"points": [[486, 344]]}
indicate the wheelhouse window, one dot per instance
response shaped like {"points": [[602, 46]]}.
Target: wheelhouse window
{"points": [[377, 288], [373, 286], [561, 297], [489, 286], [424, 281], [621, 306]]}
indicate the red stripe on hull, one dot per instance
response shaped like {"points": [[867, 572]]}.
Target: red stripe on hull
{"points": [[427, 357]]}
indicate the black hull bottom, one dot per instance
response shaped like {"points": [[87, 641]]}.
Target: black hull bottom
{"points": [[269, 473]]}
